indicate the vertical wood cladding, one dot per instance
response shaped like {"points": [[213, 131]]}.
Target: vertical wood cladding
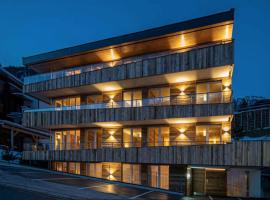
{"points": [[253, 154], [86, 116], [196, 59]]}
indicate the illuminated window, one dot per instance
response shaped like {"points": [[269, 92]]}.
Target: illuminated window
{"points": [[94, 170], [132, 137], [210, 134], [209, 92], [92, 138], [74, 168], [133, 98], [132, 173], [67, 139], [158, 136], [159, 176], [68, 101], [94, 99], [159, 96]]}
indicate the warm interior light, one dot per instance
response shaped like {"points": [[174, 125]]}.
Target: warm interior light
{"points": [[215, 169], [182, 41], [111, 132], [182, 93], [227, 82], [205, 97], [226, 89], [58, 137], [182, 130], [227, 33], [114, 55], [107, 124], [204, 133], [226, 128]]}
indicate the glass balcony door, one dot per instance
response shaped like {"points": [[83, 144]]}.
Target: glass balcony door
{"points": [[159, 96], [92, 139], [68, 101], [132, 137], [209, 92], [68, 139], [132, 98], [57, 140], [94, 99], [158, 136], [210, 134], [159, 176]]}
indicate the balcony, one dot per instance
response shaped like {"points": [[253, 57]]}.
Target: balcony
{"points": [[182, 106], [214, 55]]}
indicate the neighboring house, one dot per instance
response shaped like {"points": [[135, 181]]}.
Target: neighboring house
{"points": [[151, 108], [252, 118], [12, 102]]}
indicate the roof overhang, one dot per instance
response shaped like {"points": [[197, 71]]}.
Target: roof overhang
{"points": [[212, 28]]}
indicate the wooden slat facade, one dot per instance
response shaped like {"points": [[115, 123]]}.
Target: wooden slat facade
{"points": [[84, 117], [196, 59], [246, 154]]}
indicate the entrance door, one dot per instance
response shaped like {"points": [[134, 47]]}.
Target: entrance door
{"points": [[209, 181], [216, 182], [198, 181]]}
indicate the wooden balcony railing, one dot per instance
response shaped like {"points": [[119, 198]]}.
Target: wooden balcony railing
{"points": [[242, 154], [199, 98], [202, 57]]}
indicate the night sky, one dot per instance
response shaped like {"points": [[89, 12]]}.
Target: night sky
{"points": [[31, 27]]}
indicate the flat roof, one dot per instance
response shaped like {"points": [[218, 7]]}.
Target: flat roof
{"points": [[132, 37]]}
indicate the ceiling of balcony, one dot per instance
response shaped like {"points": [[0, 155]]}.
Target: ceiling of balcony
{"points": [[174, 121]]}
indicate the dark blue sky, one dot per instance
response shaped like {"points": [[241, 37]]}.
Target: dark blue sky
{"points": [[30, 27]]}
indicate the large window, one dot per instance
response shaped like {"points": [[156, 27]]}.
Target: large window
{"points": [[60, 166], [158, 136], [210, 134], [209, 92], [159, 96], [132, 137], [132, 98], [132, 173], [74, 168], [68, 101], [94, 99], [94, 170], [159, 176], [92, 138], [67, 139]]}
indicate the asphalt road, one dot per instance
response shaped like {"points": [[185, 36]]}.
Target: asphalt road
{"points": [[12, 193], [67, 186]]}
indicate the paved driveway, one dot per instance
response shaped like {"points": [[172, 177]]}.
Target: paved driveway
{"points": [[74, 187]]}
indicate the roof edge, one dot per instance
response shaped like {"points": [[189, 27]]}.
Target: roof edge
{"points": [[131, 37]]}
